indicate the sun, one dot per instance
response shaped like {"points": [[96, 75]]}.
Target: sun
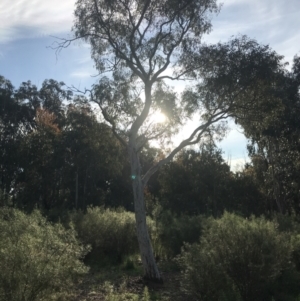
{"points": [[159, 117]]}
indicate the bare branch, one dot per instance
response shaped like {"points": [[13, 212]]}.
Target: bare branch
{"points": [[115, 46], [104, 114], [145, 140], [113, 126], [197, 134], [65, 43], [167, 63], [133, 50]]}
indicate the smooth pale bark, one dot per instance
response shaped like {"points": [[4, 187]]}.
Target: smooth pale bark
{"points": [[146, 250]]}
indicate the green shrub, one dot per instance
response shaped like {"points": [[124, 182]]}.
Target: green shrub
{"points": [[38, 260], [203, 277], [287, 223], [250, 254], [111, 233], [172, 231]]}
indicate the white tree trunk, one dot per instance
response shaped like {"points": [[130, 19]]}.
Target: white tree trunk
{"points": [[146, 251]]}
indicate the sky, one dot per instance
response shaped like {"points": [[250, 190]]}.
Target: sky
{"points": [[28, 29]]}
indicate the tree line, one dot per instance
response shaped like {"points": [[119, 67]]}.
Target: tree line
{"points": [[57, 153]]}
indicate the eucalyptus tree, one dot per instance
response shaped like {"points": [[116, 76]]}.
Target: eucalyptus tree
{"points": [[16, 121], [266, 106], [93, 156], [275, 147], [139, 47]]}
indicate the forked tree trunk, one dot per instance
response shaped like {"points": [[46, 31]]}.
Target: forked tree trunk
{"points": [[146, 251]]}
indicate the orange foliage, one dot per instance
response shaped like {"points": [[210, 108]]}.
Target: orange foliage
{"points": [[46, 119]]}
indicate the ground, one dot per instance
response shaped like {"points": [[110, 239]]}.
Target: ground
{"points": [[124, 282]]}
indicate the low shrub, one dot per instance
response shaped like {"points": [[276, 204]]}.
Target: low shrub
{"points": [[111, 233], [203, 277], [38, 260], [287, 288], [251, 255], [287, 223]]}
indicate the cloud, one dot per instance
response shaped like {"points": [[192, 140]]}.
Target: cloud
{"points": [[270, 22], [42, 17]]}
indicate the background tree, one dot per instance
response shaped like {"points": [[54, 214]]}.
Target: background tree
{"points": [[271, 120], [56, 154], [16, 121], [93, 157], [195, 182], [39, 178], [266, 101], [200, 182], [274, 144]]}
